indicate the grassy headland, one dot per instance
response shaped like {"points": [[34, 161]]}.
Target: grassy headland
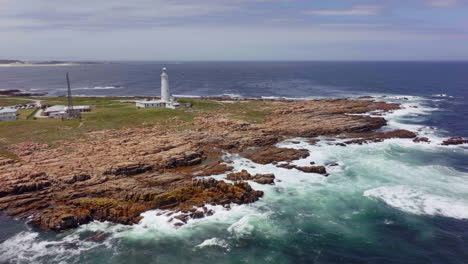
{"points": [[115, 113]]}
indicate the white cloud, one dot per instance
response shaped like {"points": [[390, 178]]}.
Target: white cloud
{"points": [[444, 3], [358, 10], [84, 13]]}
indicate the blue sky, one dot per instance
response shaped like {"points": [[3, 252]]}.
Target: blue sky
{"points": [[234, 29]]}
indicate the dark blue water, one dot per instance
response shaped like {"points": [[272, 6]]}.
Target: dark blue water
{"points": [[256, 79], [391, 202]]}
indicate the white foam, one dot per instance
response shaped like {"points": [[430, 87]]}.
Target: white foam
{"points": [[213, 242], [186, 96], [417, 201], [241, 228], [27, 247], [100, 88]]}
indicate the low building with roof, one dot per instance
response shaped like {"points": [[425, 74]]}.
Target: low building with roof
{"points": [[8, 114], [59, 111]]}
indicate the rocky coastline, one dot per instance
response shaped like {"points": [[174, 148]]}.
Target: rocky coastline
{"points": [[115, 175]]}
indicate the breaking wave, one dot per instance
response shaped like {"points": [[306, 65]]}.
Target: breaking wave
{"points": [[420, 202], [100, 88]]}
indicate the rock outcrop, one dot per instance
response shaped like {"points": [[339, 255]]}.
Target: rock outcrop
{"points": [[306, 169], [364, 138], [455, 141], [270, 154], [258, 178], [421, 139], [115, 175]]}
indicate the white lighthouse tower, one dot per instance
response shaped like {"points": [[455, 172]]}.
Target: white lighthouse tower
{"points": [[166, 99], [165, 95]]}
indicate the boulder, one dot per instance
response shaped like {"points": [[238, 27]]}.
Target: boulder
{"points": [[421, 139], [270, 154], [455, 141]]}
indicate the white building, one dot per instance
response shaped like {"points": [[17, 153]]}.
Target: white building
{"points": [[8, 114], [59, 111], [150, 103], [166, 99]]}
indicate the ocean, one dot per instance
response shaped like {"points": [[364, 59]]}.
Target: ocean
{"points": [[391, 202]]}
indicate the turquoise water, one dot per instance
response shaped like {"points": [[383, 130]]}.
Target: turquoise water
{"points": [[390, 202]]}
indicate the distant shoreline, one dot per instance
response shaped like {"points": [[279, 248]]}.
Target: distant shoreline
{"points": [[18, 63], [35, 65]]}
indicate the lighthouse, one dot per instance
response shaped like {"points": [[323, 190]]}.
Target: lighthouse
{"points": [[165, 95], [166, 99]]}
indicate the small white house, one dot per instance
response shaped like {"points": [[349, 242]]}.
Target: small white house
{"points": [[150, 103], [157, 103], [8, 114], [59, 111]]}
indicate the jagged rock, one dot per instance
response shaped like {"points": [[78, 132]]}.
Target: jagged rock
{"points": [[258, 178], [312, 169], [78, 177], [98, 237], [306, 169], [286, 166], [128, 168], [186, 159], [377, 136], [313, 141], [239, 176], [421, 139], [4, 161], [455, 141], [198, 214], [269, 154], [264, 178], [213, 168]]}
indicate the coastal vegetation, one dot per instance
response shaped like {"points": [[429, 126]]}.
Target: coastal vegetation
{"points": [[10, 101], [116, 113]]}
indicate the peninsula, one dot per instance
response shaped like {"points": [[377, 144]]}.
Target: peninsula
{"points": [[19, 63], [119, 161]]}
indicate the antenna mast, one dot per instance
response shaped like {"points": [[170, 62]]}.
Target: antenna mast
{"points": [[71, 113], [70, 101]]}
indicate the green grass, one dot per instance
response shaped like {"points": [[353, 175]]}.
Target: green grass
{"points": [[127, 115], [203, 105], [11, 102], [109, 113], [246, 111], [252, 116], [26, 113]]}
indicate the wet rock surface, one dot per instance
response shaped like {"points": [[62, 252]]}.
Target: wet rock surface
{"points": [[455, 141], [306, 169], [115, 175], [245, 176], [270, 154], [364, 138], [421, 139]]}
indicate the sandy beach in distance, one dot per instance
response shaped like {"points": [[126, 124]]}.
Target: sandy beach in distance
{"points": [[35, 64]]}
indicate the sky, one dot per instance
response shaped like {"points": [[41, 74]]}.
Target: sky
{"points": [[161, 30]]}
